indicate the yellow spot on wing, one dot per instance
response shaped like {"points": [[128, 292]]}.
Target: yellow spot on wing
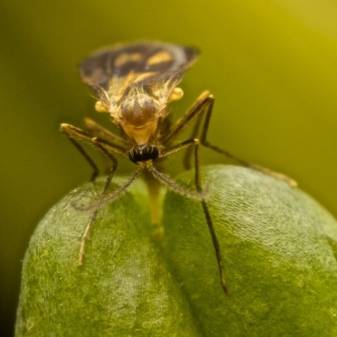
{"points": [[160, 57], [142, 76], [127, 57], [119, 85]]}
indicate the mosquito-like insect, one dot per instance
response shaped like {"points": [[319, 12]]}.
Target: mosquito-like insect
{"points": [[134, 84]]}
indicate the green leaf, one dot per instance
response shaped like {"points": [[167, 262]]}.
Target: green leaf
{"points": [[123, 288], [278, 248]]}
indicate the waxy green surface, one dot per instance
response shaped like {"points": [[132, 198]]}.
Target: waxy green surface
{"points": [[278, 246]]}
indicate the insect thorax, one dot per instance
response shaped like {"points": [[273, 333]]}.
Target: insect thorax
{"points": [[138, 107], [138, 113]]}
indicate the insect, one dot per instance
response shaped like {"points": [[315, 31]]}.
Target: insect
{"points": [[134, 85]]}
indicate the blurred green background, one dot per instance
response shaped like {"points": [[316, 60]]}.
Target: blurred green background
{"points": [[272, 66]]}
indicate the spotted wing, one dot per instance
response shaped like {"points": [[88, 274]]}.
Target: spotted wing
{"points": [[157, 67]]}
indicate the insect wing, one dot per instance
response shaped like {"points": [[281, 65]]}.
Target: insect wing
{"points": [[149, 65]]}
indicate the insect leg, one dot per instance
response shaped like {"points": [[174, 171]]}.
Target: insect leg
{"points": [[203, 140], [93, 217], [187, 144], [78, 134], [194, 144], [203, 103], [208, 218], [208, 105], [173, 185], [193, 111], [73, 134], [203, 108], [94, 129]]}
